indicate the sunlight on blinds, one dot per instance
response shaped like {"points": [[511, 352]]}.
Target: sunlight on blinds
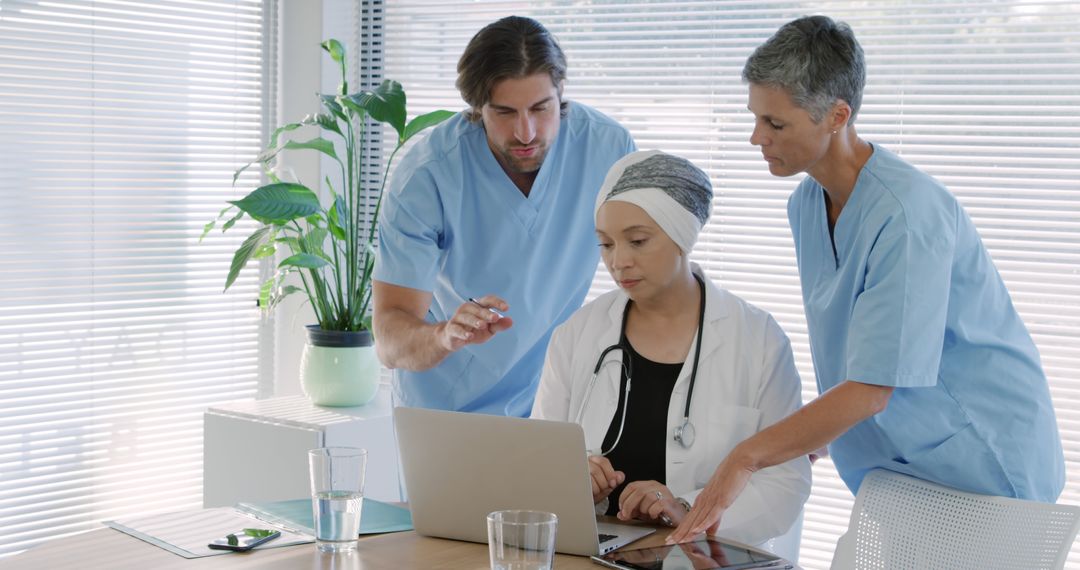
{"points": [[120, 126]]}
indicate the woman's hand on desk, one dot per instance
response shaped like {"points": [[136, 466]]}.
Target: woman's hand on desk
{"points": [[650, 501], [604, 477], [727, 482]]}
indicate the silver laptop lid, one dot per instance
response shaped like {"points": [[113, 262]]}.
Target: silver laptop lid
{"points": [[459, 467]]}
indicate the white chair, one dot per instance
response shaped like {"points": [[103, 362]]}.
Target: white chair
{"points": [[903, 522]]}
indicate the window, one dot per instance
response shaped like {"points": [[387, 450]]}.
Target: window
{"points": [[121, 123], [983, 95]]}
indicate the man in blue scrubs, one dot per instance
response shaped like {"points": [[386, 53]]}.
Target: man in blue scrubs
{"points": [[923, 364], [486, 239]]}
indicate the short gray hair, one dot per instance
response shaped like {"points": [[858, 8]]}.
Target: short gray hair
{"points": [[816, 60]]}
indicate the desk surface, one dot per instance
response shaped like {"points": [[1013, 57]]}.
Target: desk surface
{"points": [[106, 548]]}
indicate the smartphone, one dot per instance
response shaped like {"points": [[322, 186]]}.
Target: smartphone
{"points": [[244, 539]]}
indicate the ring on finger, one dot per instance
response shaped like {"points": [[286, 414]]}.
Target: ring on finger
{"points": [[659, 496]]}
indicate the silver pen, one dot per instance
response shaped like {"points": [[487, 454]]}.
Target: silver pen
{"points": [[479, 304]]}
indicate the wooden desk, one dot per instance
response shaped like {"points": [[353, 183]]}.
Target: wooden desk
{"points": [[109, 549]]}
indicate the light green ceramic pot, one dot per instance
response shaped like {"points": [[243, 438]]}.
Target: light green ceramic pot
{"points": [[339, 368]]}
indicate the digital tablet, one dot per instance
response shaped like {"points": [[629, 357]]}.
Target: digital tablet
{"points": [[702, 554]]}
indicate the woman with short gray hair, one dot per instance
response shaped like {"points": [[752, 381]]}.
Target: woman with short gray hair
{"points": [[923, 364]]}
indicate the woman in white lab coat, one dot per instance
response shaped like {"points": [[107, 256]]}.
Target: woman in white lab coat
{"points": [[650, 463]]}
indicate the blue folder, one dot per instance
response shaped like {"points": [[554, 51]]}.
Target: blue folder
{"points": [[376, 516]]}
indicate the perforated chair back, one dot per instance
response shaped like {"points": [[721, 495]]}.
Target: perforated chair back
{"points": [[903, 522]]}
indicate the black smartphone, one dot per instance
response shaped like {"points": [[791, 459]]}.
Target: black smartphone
{"points": [[244, 539]]}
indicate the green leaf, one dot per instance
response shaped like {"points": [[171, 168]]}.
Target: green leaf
{"points": [[306, 260], [271, 148], [206, 229], [264, 250], [424, 121], [285, 128], [265, 291], [285, 292], [244, 253], [338, 212], [337, 232], [320, 144], [293, 243], [385, 104], [354, 107], [270, 174], [331, 104], [232, 222], [325, 121], [337, 53], [240, 171], [210, 225], [335, 49], [258, 532], [279, 203], [314, 241], [264, 158]]}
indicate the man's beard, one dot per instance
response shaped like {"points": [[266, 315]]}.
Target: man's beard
{"points": [[524, 165]]}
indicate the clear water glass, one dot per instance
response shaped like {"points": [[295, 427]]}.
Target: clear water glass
{"points": [[337, 496], [521, 540]]}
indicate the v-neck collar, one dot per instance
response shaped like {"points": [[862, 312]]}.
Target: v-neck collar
{"points": [[837, 239], [525, 208]]}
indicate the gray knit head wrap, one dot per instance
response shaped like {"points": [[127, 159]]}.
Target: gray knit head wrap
{"points": [[671, 190]]}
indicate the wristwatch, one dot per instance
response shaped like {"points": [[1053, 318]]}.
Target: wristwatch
{"points": [[666, 519]]}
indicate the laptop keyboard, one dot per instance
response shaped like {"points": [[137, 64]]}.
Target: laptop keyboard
{"points": [[606, 537]]}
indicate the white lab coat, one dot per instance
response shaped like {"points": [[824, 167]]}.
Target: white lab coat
{"points": [[746, 381]]}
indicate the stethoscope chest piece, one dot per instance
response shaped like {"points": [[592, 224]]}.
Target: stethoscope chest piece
{"points": [[684, 434]]}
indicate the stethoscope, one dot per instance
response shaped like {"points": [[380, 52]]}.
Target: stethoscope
{"points": [[684, 433]]}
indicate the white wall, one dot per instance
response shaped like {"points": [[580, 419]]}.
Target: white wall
{"points": [[304, 70], [299, 78]]}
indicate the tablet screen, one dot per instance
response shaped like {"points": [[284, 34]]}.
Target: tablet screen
{"points": [[702, 554]]}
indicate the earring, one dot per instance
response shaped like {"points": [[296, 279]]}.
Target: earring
{"points": [[834, 132]]}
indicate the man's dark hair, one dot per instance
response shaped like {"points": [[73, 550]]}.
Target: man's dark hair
{"points": [[511, 48]]}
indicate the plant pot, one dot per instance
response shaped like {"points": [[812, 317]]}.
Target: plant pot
{"points": [[339, 368]]}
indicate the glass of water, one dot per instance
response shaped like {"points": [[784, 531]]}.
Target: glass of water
{"points": [[521, 540], [337, 495]]}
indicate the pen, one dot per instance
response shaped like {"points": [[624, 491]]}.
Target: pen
{"points": [[477, 303]]}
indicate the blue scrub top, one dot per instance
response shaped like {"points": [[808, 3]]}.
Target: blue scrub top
{"points": [[910, 298], [454, 224]]}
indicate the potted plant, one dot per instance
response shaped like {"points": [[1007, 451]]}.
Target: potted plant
{"points": [[329, 248]]}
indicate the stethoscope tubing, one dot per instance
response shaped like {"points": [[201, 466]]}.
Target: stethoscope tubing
{"points": [[684, 433]]}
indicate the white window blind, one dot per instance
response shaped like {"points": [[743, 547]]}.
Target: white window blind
{"points": [[121, 123], [983, 95]]}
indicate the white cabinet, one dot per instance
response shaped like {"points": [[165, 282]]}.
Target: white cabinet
{"points": [[256, 450]]}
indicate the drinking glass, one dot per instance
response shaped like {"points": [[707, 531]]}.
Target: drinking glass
{"points": [[521, 540], [337, 495]]}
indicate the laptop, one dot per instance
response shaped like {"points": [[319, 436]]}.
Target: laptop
{"points": [[458, 467]]}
